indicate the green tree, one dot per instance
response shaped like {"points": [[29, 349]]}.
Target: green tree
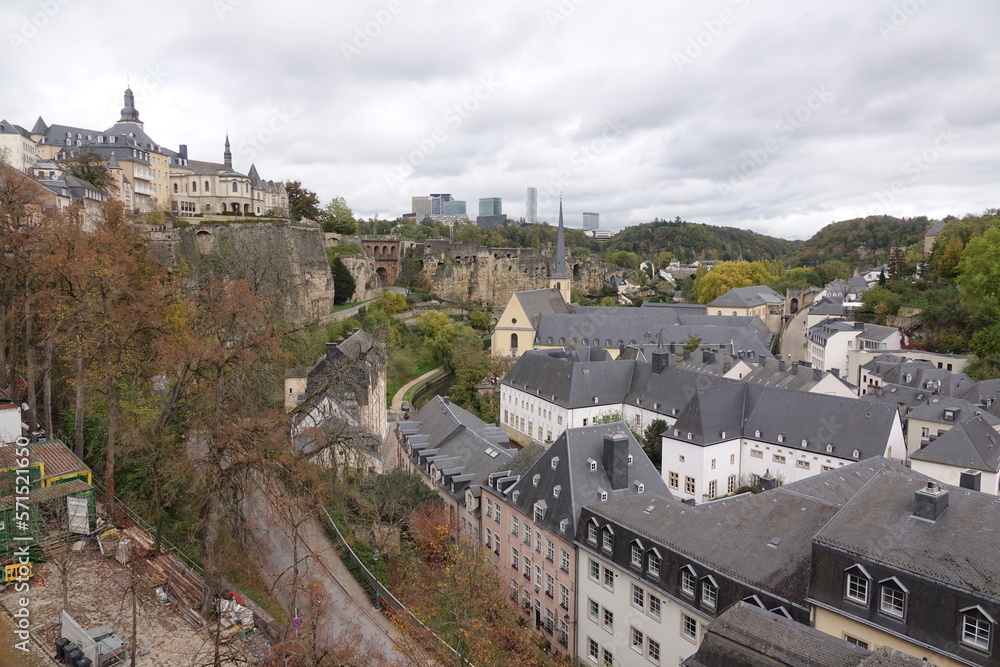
{"points": [[693, 343], [303, 204], [431, 323], [481, 320], [338, 217], [343, 282], [466, 231], [390, 303], [87, 165], [652, 442], [947, 263], [979, 272], [729, 275], [833, 269], [881, 301]]}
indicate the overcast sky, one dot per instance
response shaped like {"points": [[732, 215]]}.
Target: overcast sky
{"points": [[777, 116]]}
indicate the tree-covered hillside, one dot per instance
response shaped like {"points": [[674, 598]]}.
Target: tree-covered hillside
{"points": [[688, 241], [862, 241]]}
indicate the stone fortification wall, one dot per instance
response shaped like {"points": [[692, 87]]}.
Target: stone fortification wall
{"points": [[468, 272]]}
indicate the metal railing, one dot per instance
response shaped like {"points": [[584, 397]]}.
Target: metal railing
{"points": [[390, 600]]}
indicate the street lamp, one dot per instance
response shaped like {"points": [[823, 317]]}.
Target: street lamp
{"points": [[375, 555]]}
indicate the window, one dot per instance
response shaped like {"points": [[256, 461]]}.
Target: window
{"points": [[654, 650], [857, 585], [680, 458], [689, 627], [609, 579], [636, 557], [756, 454], [595, 570], [654, 606], [712, 488], [559, 420], [515, 527], [609, 658], [538, 542], [538, 577], [607, 541], [564, 597], [592, 532], [802, 464], [564, 633], [689, 484], [709, 593], [732, 459], [609, 620], [550, 551], [893, 599], [731, 484], [638, 597], [550, 586], [514, 558], [673, 480], [592, 649], [654, 565], [593, 610], [976, 628], [826, 468], [564, 560], [857, 642], [778, 458], [206, 186], [593, 464], [638, 641], [489, 508], [584, 421], [496, 512], [688, 582], [235, 187], [713, 464]]}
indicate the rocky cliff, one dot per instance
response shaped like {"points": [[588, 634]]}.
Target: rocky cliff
{"points": [[468, 272]]}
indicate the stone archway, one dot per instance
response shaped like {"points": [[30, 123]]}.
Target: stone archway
{"points": [[205, 241], [383, 276], [793, 306]]}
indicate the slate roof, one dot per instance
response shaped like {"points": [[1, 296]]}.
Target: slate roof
{"points": [[578, 484], [670, 390], [958, 549], [934, 411], [984, 392], [569, 380], [821, 420], [787, 376], [970, 444], [462, 444], [856, 286], [212, 168], [794, 513], [877, 332], [826, 329], [829, 307], [935, 229], [7, 127], [358, 346], [747, 297], [539, 301], [749, 636]]}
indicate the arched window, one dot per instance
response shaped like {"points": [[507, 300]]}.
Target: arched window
{"points": [[236, 186], [206, 186], [175, 187], [194, 186], [513, 341]]}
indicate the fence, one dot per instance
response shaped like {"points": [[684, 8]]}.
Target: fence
{"points": [[165, 545], [385, 596]]}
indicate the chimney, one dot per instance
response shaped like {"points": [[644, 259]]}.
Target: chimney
{"points": [[971, 479], [707, 357], [726, 367], [673, 348], [445, 400], [795, 368], [929, 502], [781, 365], [767, 481], [660, 361], [331, 349], [835, 372], [183, 151], [616, 459], [817, 374], [687, 355], [763, 361]]}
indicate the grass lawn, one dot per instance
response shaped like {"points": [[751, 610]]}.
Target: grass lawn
{"points": [[424, 362], [345, 306]]}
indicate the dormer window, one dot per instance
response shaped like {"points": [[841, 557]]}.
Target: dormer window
{"points": [[593, 464], [977, 627], [805, 442], [756, 433], [555, 462], [709, 592], [592, 531], [535, 479], [857, 453], [639, 487], [607, 539], [540, 507], [630, 459], [781, 438], [857, 584], [555, 491], [829, 449], [563, 525], [949, 415], [515, 495], [892, 598]]}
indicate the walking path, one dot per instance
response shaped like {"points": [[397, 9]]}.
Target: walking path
{"points": [[397, 400], [794, 346]]}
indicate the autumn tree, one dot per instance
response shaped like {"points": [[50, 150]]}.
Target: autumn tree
{"points": [[87, 165], [303, 204], [729, 275]]}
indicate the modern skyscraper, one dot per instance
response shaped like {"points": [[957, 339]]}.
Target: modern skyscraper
{"points": [[491, 206], [531, 205], [438, 202], [453, 207], [421, 206], [591, 221]]}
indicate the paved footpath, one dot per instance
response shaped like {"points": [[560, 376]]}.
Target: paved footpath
{"points": [[397, 400]]}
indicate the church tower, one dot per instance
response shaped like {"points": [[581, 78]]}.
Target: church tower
{"points": [[560, 279], [129, 113], [228, 155]]}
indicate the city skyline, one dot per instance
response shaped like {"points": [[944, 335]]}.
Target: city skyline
{"points": [[705, 112]]}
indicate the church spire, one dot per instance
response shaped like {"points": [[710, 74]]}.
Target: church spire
{"points": [[560, 271], [129, 113], [228, 155]]}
